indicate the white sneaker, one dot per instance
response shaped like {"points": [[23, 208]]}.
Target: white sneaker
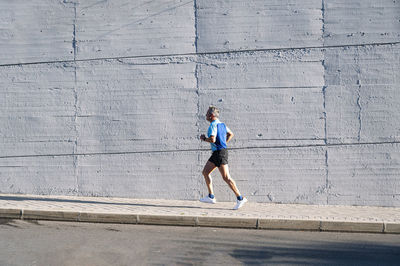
{"points": [[240, 203], [207, 199]]}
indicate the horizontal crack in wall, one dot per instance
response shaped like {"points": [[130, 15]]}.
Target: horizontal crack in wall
{"points": [[204, 53], [199, 150]]}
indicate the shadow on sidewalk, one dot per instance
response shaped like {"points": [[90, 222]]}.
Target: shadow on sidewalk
{"points": [[22, 198]]}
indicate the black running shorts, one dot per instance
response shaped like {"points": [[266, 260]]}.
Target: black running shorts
{"points": [[219, 157]]}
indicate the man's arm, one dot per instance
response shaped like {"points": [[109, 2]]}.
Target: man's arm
{"points": [[229, 136], [211, 139]]}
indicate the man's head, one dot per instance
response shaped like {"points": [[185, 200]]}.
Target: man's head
{"points": [[212, 113]]}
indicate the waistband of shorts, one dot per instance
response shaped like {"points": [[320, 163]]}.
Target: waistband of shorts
{"points": [[221, 150]]}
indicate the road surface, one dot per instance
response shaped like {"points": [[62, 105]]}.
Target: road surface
{"points": [[67, 243]]}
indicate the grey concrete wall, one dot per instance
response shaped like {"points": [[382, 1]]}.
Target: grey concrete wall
{"points": [[107, 98]]}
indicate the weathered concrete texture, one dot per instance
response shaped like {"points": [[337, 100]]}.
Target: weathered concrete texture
{"points": [[267, 98], [269, 116], [37, 30], [131, 28], [137, 105], [38, 175], [242, 25], [41, 31], [172, 175], [361, 21], [364, 174], [362, 94], [291, 175], [37, 109], [363, 65], [288, 68]]}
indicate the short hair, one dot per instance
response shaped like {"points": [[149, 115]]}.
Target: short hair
{"points": [[214, 110]]}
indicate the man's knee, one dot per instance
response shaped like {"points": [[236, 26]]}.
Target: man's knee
{"points": [[227, 178], [207, 175]]}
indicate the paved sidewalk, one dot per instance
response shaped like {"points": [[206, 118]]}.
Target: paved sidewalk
{"points": [[194, 213]]}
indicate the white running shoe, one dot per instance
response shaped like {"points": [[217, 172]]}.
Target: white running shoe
{"points": [[240, 203], [207, 199]]}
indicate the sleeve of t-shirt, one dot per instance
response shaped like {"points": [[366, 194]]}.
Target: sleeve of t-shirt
{"points": [[228, 129], [212, 130]]}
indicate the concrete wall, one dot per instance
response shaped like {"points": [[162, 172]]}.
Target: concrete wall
{"points": [[107, 98]]}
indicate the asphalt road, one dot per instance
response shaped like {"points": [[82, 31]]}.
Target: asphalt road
{"points": [[64, 243]]}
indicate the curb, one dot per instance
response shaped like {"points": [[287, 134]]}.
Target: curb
{"points": [[200, 221]]}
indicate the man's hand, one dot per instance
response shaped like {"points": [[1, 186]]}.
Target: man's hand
{"points": [[211, 139], [229, 136]]}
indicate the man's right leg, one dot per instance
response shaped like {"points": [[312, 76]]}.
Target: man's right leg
{"points": [[208, 168]]}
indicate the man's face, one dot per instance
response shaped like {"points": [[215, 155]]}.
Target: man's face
{"points": [[209, 116]]}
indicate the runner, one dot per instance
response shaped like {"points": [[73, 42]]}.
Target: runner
{"points": [[218, 136]]}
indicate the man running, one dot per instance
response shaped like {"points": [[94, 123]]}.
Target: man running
{"points": [[218, 136]]}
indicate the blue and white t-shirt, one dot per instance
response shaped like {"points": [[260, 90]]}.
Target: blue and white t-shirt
{"points": [[219, 130]]}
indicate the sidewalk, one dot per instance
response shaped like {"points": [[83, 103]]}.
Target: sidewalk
{"points": [[193, 213]]}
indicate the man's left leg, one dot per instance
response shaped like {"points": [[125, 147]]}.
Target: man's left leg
{"points": [[224, 170]]}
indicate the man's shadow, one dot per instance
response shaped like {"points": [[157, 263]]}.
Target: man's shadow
{"points": [[24, 198]]}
